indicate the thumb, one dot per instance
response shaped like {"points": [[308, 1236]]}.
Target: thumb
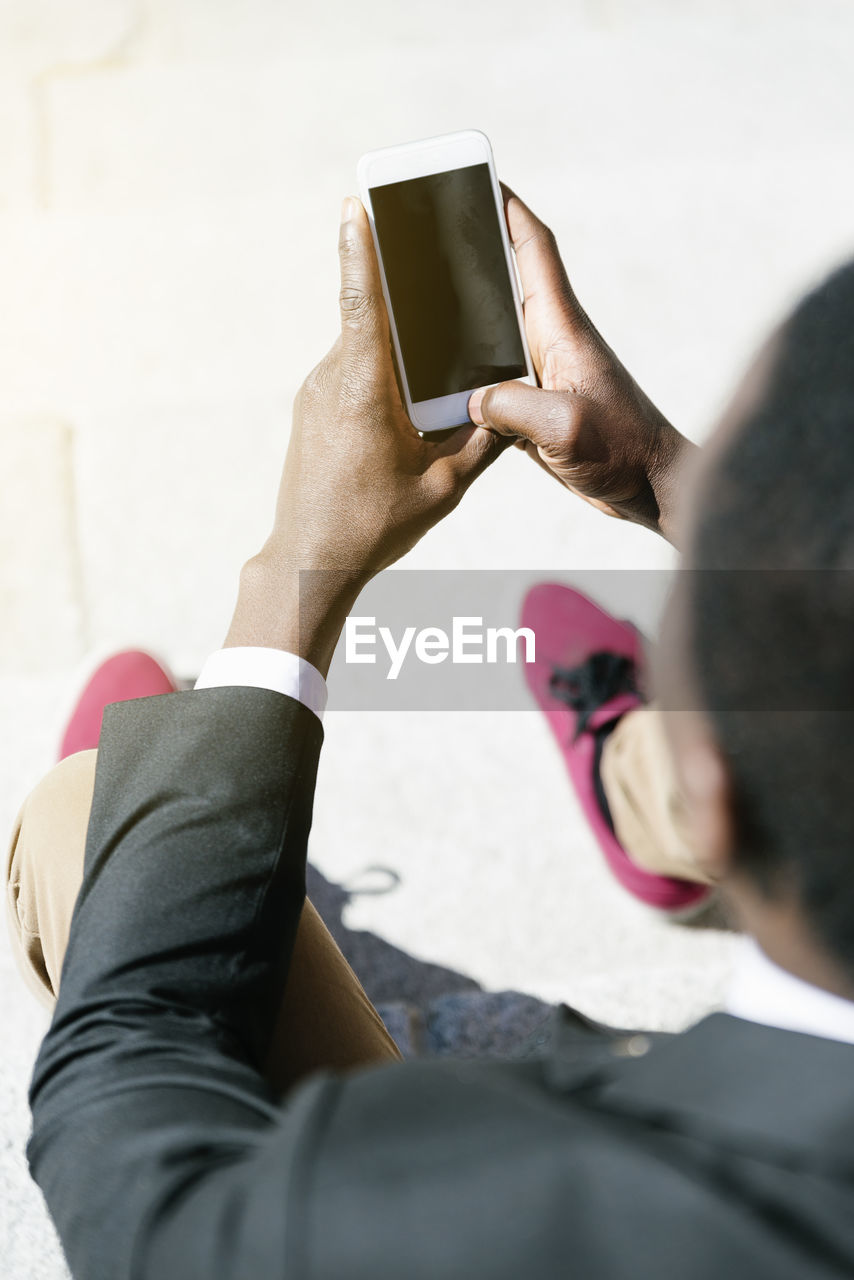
{"points": [[364, 321], [518, 409]]}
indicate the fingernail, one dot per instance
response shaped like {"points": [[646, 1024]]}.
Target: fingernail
{"points": [[474, 406], [348, 208]]}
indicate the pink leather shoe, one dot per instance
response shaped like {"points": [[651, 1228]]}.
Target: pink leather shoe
{"points": [[585, 677], [131, 674]]}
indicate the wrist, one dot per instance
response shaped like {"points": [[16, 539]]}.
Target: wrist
{"points": [[664, 474], [298, 610]]}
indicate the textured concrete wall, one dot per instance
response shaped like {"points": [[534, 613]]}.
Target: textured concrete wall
{"points": [[170, 174], [170, 178]]}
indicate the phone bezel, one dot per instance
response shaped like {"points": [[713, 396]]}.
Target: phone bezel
{"points": [[418, 160]]}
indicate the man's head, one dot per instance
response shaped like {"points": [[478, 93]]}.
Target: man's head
{"points": [[763, 622]]}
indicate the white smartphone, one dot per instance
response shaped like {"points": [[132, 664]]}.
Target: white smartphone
{"points": [[448, 273]]}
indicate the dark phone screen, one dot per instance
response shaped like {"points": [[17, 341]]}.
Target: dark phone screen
{"points": [[448, 282]]}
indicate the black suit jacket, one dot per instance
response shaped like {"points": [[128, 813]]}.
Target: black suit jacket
{"points": [[725, 1152]]}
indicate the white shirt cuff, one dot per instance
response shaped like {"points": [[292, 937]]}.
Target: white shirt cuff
{"points": [[266, 669]]}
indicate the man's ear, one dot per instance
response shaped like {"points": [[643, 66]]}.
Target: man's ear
{"points": [[707, 790]]}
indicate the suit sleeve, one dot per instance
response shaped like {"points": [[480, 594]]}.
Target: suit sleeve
{"points": [[156, 1141]]}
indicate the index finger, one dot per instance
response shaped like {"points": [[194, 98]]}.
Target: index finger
{"points": [[552, 311], [364, 319]]}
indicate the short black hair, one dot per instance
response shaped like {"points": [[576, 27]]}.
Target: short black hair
{"points": [[771, 610]]}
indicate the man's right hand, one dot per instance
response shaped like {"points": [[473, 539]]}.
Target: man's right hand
{"points": [[588, 423]]}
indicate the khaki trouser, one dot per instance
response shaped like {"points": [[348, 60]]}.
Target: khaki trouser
{"points": [[326, 1019], [647, 806]]}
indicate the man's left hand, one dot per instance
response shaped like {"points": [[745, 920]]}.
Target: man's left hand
{"points": [[360, 486]]}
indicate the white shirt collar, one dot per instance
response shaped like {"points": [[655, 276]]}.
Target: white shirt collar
{"points": [[761, 991]]}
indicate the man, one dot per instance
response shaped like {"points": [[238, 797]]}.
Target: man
{"points": [[162, 1147]]}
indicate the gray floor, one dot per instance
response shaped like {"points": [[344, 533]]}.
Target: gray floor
{"points": [[170, 177]]}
